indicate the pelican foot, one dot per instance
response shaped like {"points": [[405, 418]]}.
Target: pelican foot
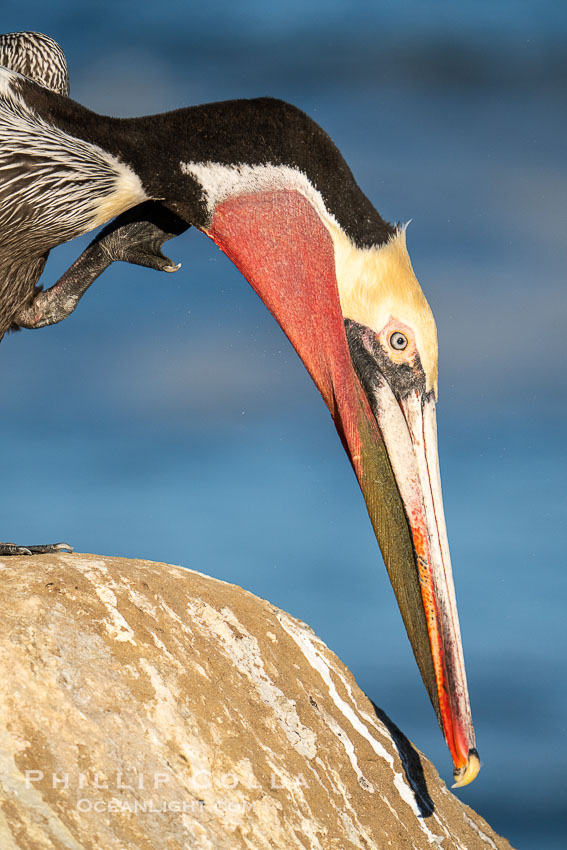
{"points": [[13, 549], [137, 236]]}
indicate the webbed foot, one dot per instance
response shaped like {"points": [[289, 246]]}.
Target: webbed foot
{"points": [[13, 549], [137, 236]]}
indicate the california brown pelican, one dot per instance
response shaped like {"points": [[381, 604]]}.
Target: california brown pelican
{"points": [[268, 185]]}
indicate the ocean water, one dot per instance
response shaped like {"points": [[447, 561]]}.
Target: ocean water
{"points": [[168, 418]]}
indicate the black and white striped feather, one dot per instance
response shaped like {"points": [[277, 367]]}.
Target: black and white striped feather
{"points": [[36, 56], [53, 185]]}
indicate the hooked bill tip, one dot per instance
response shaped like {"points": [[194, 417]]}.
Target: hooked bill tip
{"points": [[465, 775]]}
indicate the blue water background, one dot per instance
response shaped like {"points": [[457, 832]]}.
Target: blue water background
{"points": [[168, 418]]}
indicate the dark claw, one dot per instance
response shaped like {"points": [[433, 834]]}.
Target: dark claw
{"points": [[13, 549], [148, 255]]}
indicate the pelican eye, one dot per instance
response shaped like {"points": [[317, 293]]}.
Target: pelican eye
{"points": [[398, 341]]}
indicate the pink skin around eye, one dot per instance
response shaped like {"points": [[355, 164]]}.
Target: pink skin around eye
{"points": [[405, 355]]}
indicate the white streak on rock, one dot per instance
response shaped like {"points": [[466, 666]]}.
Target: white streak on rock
{"points": [[479, 831], [169, 723], [179, 623], [117, 628], [13, 784], [141, 601], [340, 733], [306, 821], [244, 651], [310, 647], [6, 838], [345, 807]]}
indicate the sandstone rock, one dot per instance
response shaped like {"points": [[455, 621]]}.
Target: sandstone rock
{"points": [[147, 706]]}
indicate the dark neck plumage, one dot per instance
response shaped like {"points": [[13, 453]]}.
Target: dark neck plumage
{"points": [[239, 132]]}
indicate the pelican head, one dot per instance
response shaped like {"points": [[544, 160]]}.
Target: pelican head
{"points": [[392, 340]]}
